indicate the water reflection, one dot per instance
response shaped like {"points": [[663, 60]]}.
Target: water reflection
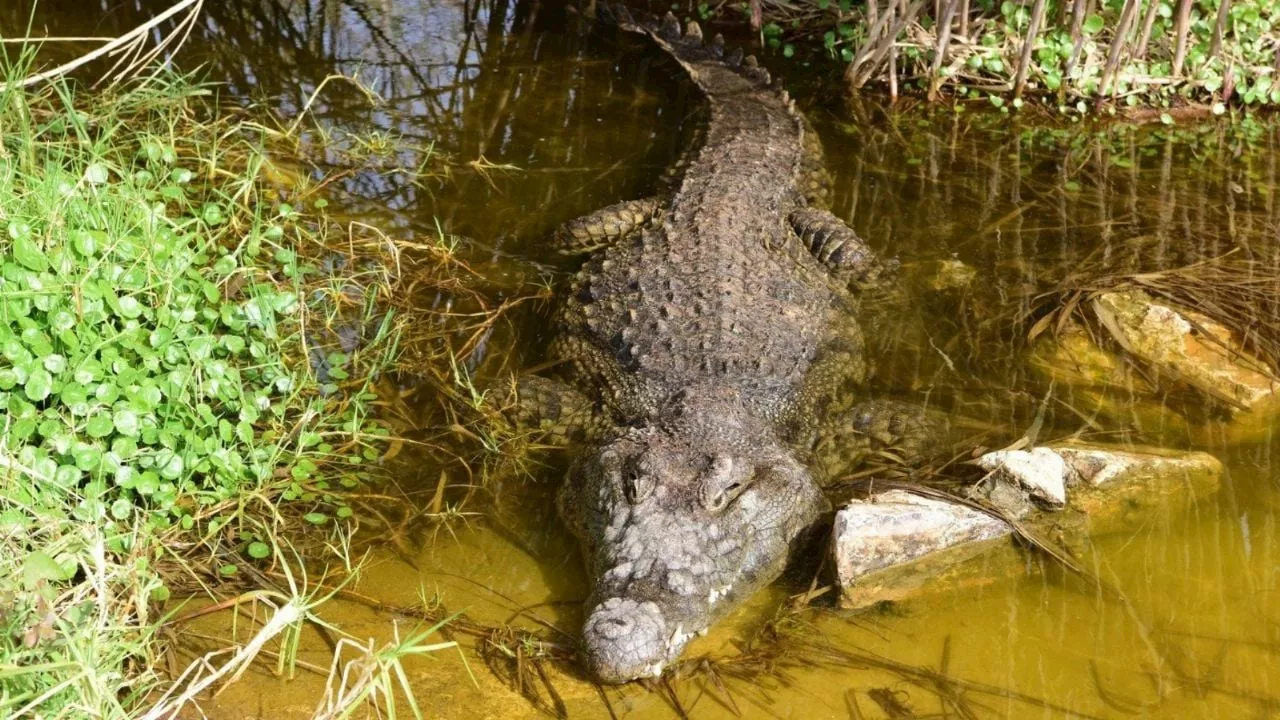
{"points": [[504, 83], [583, 122]]}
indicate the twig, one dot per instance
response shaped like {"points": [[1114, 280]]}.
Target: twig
{"points": [[286, 616], [908, 15]]}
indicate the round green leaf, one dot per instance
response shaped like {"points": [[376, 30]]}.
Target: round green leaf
{"points": [[130, 308], [169, 464], [126, 422], [96, 174], [100, 425], [39, 384]]}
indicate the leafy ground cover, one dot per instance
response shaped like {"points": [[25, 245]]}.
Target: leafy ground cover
{"points": [[179, 391], [1073, 56]]}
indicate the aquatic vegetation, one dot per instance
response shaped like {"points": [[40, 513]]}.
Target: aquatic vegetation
{"points": [[188, 374], [1160, 54]]}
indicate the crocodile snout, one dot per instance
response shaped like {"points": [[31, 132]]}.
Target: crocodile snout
{"points": [[624, 640]]}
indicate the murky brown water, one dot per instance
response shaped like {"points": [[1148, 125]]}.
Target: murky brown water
{"points": [[1199, 635]]}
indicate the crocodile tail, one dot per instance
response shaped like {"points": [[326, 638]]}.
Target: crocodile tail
{"points": [[686, 45]]}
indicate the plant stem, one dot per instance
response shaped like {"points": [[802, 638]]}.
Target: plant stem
{"points": [[1182, 25], [1020, 80], [1078, 10], [1224, 10], [1148, 21], [1117, 45], [940, 53]]}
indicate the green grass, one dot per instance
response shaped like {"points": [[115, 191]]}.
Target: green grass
{"points": [[164, 421]]}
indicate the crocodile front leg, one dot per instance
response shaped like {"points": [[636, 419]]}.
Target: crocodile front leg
{"points": [[559, 414], [605, 226], [835, 245], [841, 443]]}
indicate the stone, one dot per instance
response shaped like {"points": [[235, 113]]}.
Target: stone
{"points": [[897, 529], [897, 545], [1098, 465], [1187, 346], [1099, 383], [953, 274], [1071, 357], [1040, 471], [1121, 488]]}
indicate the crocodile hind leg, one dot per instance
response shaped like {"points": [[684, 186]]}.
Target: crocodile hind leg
{"points": [[836, 246], [605, 226]]}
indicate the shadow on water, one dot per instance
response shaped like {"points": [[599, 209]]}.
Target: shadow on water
{"points": [[538, 123]]}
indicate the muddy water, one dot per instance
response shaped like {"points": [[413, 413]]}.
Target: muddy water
{"points": [[583, 122]]}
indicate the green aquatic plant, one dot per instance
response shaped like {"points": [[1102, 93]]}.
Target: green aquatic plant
{"points": [[187, 371], [1072, 56]]}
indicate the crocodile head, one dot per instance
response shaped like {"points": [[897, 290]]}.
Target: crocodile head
{"points": [[681, 520]]}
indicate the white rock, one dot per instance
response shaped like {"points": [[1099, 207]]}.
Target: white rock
{"points": [[1040, 471], [895, 527], [1097, 466]]}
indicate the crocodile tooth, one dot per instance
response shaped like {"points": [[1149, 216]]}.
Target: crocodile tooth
{"points": [[716, 46], [670, 26], [693, 31], [763, 76], [786, 97], [750, 61], [734, 58]]}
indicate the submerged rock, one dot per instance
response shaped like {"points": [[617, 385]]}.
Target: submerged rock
{"points": [[951, 274], [895, 530], [1119, 488], [1188, 347], [895, 544], [1063, 474], [1071, 357]]}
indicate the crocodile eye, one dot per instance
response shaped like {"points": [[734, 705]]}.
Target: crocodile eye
{"points": [[637, 485]]}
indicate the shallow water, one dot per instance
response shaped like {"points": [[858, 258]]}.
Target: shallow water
{"points": [[586, 122]]}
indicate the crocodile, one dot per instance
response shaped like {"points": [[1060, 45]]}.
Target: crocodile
{"points": [[708, 359]]}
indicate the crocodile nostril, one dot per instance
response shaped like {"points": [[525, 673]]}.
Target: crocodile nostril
{"points": [[638, 486]]}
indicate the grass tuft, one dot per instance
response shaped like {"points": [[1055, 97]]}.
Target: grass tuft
{"points": [[192, 370]]}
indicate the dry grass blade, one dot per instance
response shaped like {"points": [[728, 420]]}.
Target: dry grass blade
{"points": [[130, 44]]}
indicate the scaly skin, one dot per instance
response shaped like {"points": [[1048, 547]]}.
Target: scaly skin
{"points": [[704, 334]]}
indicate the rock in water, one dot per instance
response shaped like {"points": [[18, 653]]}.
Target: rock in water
{"points": [[897, 528], [895, 544], [1187, 346], [1041, 472]]}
